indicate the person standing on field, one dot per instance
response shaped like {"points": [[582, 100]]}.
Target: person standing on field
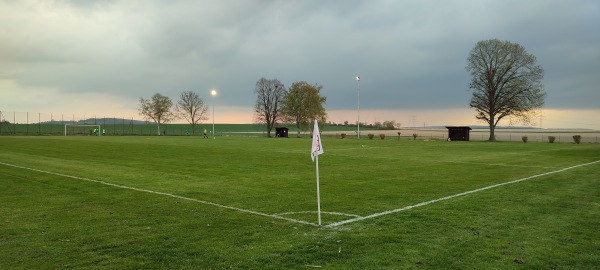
{"points": [[205, 135]]}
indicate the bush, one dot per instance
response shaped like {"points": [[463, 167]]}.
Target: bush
{"points": [[371, 136], [524, 138], [551, 139], [382, 136], [577, 139], [343, 135]]}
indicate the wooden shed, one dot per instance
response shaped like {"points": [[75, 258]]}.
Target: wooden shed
{"points": [[281, 132], [460, 133]]}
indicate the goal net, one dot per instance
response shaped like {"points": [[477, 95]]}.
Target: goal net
{"points": [[83, 130]]}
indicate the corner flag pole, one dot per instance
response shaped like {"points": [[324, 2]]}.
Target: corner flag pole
{"points": [[316, 150], [318, 191]]}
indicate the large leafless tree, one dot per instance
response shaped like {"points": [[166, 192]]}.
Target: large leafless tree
{"points": [[159, 109], [192, 108], [303, 104], [269, 93], [506, 82]]}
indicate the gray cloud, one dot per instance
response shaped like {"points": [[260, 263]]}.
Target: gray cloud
{"points": [[409, 54]]}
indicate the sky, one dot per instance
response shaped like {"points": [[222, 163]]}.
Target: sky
{"points": [[98, 58]]}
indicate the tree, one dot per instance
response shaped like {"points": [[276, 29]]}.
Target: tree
{"points": [[389, 125], [378, 125], [270, 93], [192, 108], [397, 125], [158, 109], [303, 104], [506, 82]]}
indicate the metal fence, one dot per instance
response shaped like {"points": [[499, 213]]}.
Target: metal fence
{"points": [[40, 124]]}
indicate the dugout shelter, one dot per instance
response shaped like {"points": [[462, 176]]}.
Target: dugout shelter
{"points": [[281, 132], [460, 133]]}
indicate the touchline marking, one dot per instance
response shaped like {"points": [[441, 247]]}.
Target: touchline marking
{"points": [[332, 225], [314, 212], [459, 162], [165, 194], [499, 164]]}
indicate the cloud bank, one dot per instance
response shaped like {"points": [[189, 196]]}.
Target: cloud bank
{"points": [[410, 55]]}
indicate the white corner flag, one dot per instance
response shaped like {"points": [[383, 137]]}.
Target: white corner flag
{"points": [[316, 150], [317, 147]]}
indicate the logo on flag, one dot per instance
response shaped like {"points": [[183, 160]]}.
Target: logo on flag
{"points": [[317, 147]]}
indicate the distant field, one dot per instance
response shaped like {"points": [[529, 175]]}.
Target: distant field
{"points": [[127, 128], [510, 135], [183, 202]]}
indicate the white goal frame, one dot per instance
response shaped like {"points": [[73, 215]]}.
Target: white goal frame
{"points": [[97, 126]]}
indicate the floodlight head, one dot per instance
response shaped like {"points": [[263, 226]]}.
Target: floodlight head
{"points": [[357, 78], [213, 92]]}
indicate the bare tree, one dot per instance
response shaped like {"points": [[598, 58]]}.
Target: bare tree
{"points": [[192, 108], [303, 104], [389, 125], [270, 93], [157, 109], [506, 82]]}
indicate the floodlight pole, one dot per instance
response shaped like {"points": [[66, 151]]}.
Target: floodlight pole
{"points": [[358, 108], [213, 93]]}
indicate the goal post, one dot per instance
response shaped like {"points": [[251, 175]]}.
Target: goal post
{"points": [[82, 130]]}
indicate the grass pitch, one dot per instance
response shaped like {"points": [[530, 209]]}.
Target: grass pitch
{"points": [[187, 202]]}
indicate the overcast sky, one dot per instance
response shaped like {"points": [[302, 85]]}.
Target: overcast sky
{"points": [[99, 57]]}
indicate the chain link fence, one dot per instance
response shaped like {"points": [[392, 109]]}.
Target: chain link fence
{"points": [[42, 124]]}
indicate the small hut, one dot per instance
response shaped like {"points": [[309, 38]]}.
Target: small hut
{"points": [[458, 133], [281, 132]]}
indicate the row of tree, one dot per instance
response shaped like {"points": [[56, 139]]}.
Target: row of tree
{"points": [[505, 83], [161, 109], [505, 80], [299, 105]]}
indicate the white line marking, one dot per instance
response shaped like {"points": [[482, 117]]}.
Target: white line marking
{"points": [[459, 162], [314, 212], [499, 164], [165, 194], [277, 216], [332, 225]]}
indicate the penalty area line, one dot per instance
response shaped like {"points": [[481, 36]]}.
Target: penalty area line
{"points": [[332, 225], [164, 194]]}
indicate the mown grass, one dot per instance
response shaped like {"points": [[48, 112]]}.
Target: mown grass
{"points": [[50, 221]]}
